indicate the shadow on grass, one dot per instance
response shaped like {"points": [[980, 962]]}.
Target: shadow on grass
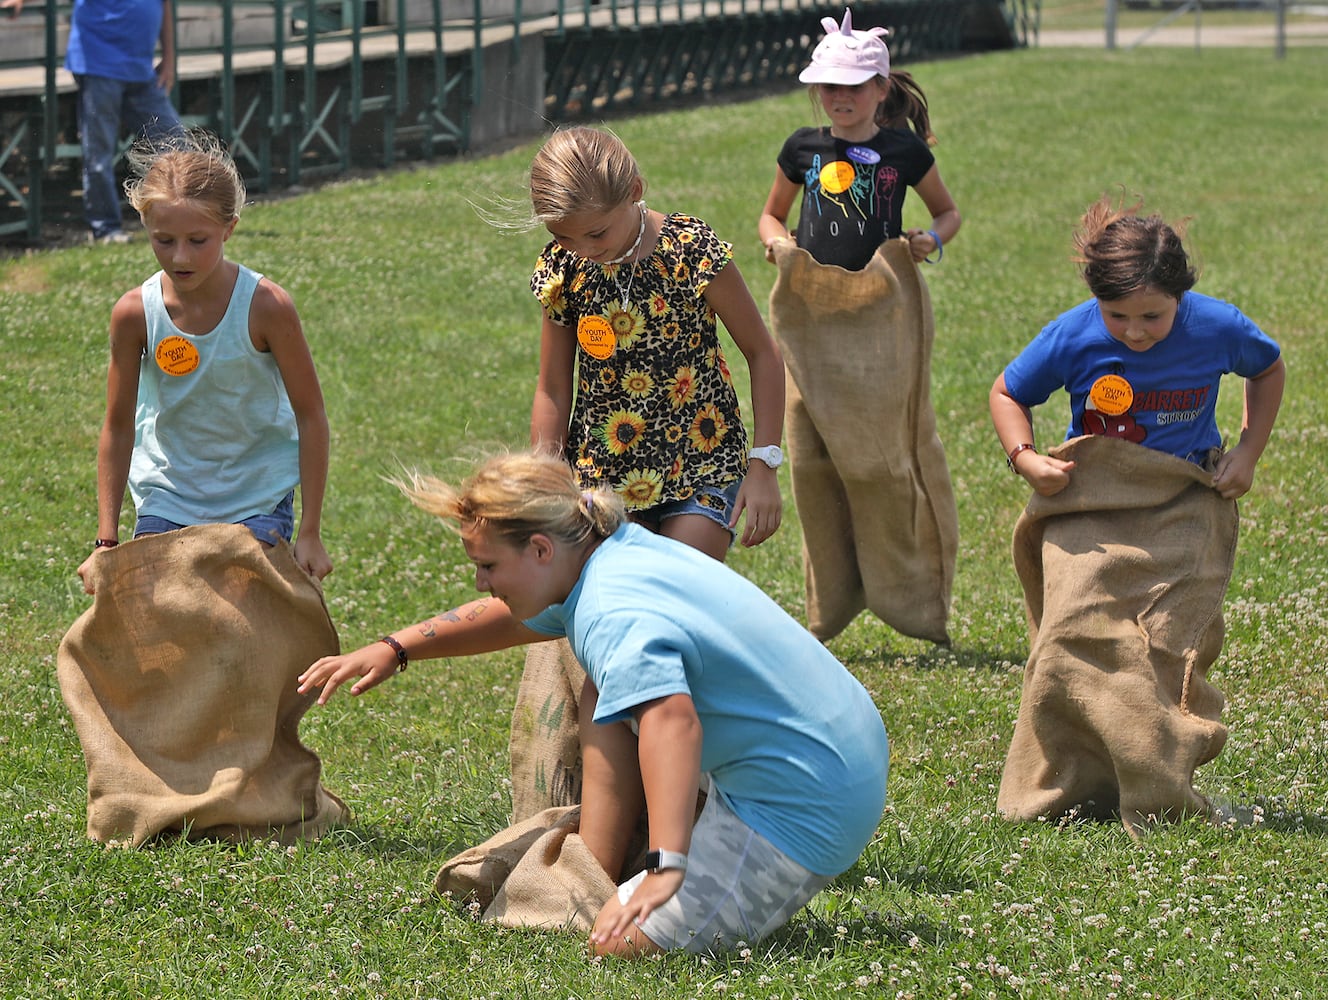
{"points": [[812, 934], [934, 658], [1229, 816], [426, 847], [943, 862], [1270, 814], [368, 841]]}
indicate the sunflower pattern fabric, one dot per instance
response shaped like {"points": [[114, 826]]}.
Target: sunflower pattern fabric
{"points": [[656, 417]]}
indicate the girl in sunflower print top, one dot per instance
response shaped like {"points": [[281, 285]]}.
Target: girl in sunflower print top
{"points": [[633, 387]]}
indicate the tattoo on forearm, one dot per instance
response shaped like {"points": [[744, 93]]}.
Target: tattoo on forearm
{"points": [[429, 629]]}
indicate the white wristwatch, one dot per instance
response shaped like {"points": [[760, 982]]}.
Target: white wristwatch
{"points": [[660, 860], [769, 454]]}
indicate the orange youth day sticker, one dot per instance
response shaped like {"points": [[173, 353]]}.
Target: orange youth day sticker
{"points": [[1111, 395], [176, 356], [837, 177], [595, 336]]}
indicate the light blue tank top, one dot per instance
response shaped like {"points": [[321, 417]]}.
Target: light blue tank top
{"points": [[215, 438]]}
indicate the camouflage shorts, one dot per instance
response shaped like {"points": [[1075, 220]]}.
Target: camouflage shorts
{"points": [[738, 887]]}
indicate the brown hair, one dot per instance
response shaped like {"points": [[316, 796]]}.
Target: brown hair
{"points": [[904, 104], [519, 495], [1121, 252], [581, 169], [192, 167]]}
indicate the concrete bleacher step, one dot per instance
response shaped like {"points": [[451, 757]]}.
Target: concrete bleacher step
{"points": [[419, 13], [198, 26], [23, 38]]}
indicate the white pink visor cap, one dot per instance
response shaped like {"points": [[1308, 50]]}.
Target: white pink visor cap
{"points": [[848, 57]]}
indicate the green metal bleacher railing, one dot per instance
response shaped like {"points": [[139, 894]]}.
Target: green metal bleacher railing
{"points": [[320, 84], [627, 55], [294, 94], [317, 86]]}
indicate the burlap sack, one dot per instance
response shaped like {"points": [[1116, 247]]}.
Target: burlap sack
{"points": [[557, 885], [1124, 574], [870, 481], [181, 680], [536, 873], [545, 740], [477, 873]]}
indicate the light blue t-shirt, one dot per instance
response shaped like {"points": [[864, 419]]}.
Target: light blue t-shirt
{"points": [[1164, 398], [114, 38], [791, 739], [215, 438]]}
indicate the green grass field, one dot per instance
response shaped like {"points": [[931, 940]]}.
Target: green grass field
{"points": [[1134, 20], [426, 340]]}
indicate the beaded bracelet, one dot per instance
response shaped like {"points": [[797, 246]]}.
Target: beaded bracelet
{"points": [[403, 660]]}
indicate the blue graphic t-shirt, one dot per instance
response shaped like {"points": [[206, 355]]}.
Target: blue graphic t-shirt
{"points": [[1164, 398], [852, 192]]}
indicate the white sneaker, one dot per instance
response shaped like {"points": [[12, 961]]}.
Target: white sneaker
{"points": [[114, 236]]}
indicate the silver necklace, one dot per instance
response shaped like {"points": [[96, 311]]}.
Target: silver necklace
{"points": [[625, 293]]}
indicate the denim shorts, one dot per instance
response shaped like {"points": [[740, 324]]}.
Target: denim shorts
{"points": [[267, 528], [713, 502], [738, 887]]}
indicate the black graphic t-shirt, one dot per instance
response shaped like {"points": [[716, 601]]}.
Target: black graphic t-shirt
{"points": [[852, 192]]}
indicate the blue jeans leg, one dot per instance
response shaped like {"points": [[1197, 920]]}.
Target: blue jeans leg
{"points": [[99, 131], [147, 111], [104, 107]]}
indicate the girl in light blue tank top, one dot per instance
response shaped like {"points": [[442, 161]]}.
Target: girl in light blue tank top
{"points": [[214, 411]]}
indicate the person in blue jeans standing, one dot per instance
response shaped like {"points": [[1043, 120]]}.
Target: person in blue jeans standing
{"points": [[111, 48]]}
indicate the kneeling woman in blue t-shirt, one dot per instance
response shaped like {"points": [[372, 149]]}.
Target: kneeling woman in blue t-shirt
{"points": [[692, 672]]}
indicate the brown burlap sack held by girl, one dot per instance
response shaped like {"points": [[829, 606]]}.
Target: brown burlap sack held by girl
{"points": [[1124, 573], [869, 476], [181, 680]]}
